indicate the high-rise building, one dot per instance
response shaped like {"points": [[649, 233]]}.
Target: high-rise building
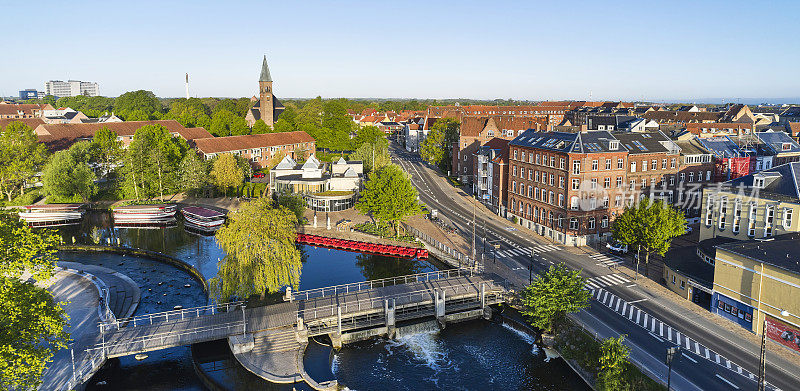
{"points": [[60, 88], [30, 94]]}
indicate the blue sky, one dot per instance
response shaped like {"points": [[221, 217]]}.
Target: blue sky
{"points": [[670, 50]]}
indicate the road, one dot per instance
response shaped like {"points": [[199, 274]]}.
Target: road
{"points": [[712, 358]]}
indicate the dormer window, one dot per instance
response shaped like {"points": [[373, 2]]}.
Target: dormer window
{"points": [[758, 182], [786, 146], [613, 145]]}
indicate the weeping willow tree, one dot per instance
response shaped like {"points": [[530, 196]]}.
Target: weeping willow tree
{"points": [[259, 240]]}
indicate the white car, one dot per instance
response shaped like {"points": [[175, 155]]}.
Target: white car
{"points": [[617, 248]]}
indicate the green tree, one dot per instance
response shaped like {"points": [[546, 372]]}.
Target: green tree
{"points": [[140, 105], [287, 120], [294, 202], [374, 155], [368, 134], [262, 257], [389, 196], [193, 174], [438, 145], [553, 295], [226, 172], [151, 162], [650, 226], [68, 174], [613, 361], [21, 157], [261, 127], [190, 113], [225, 123], [106, 150], [31, 323]]}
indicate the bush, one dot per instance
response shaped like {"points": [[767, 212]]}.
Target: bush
{"points": [[383, 230], [30, 196]]}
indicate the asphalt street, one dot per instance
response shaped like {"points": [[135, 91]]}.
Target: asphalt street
{"points": [[712, 358]]}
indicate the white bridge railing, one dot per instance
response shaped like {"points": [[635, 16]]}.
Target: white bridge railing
{"points": [[168, 316], [377, 303], [370, 284]]}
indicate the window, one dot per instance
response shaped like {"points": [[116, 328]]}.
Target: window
{"points": [[683, 177], [633, 184], [535, 193], [560, 182], [552, 178], [550, 198], [591, 222], [654, 164], [673, 279], [723, 211], [523, 156], [594, 183], [513, 186], [550, 217], [618, 201], [515, 152], [530, 191], [604, 222], [606, 183], [522, 172], [758, 183], [608, 164], [574, 203], [552, 161], [620, 163], [530, 158], [573, 223], [619, 182], [633, 166], [576, 183], [737, 214], [514, 170], [561, 200], [537, 159], [769, 217], [664, 164], [787, 218], [683, 284], [709, 211], [592, 203], [594, 165], [537, 176], [751, 220], [708, 175], [576, 167], [530, 174], [560, 221], [644, 183], [691, 177], [644, 165], [605, 202], [562, 163], [672, 180], [541, 215]]}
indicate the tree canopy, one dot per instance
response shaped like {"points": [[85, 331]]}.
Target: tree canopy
{"points": [[190, 113], [389, 196], [68, 174], [226, 172], [437, 148], [31, 323], [225, 123], [151, 162], [21, 158], [374, 155], [106, 149], [137, 105], [649, 225], [613, 360], [553, 295], [259, 239]]}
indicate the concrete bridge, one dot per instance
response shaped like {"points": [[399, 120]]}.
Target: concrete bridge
{"points": [[270, 340]]}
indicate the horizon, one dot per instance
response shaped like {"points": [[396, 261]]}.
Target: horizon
{"points": [[515, 52]]}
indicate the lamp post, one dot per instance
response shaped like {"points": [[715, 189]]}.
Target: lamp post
{"points": [[671, 352]]}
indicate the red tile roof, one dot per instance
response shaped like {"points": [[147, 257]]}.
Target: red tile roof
{"points": [[59, 136], [31, 122], [14, 108], [237, 143]]}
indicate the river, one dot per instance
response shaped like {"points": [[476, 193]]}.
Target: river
{"points": [[476, 355]]}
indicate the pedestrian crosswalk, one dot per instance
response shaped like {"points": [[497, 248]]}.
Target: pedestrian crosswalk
{"points": [[598, 282], [516, 252], [605, 260]]}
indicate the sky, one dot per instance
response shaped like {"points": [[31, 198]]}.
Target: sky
{"points": [[526, 50]]}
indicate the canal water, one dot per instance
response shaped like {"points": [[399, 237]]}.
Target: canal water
{"points": [[476, 355]]}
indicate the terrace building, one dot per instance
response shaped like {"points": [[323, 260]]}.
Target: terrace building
{"points": [[61, 136], [491, 175], [567, 186], [20, 111], [652, 164], [259, 149], [695, 172]]}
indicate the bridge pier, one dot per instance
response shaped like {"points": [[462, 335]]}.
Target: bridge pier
{"points": [[439, 302], [483, 295], [389, 309]]}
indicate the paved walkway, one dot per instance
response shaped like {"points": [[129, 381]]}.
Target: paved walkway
{"points": [[81, 299]]}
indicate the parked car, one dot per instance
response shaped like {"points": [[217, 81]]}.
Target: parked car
{"points": [[617, 248], [259, 175]]}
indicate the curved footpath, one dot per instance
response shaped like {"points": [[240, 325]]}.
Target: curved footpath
{"points": [[78, 286]]}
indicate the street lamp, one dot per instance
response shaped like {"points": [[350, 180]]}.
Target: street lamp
{"points": [[671, 352]]}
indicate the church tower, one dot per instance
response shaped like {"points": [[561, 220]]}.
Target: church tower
{"points": [[266, 104]]}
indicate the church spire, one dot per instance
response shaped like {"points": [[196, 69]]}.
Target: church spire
{"points": [[265, 76]]}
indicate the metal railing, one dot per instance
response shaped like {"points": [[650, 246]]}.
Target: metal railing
{"points": [[371, 284], [167, 339], [167, 316], [83, 369], [368, 304], [458, 259]]}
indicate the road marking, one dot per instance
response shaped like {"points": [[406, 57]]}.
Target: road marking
{"points": [[637, 301], [726, 381], [669, 333], [688, 344], [718, 360], [728, 363], [656, 337], [616, 309], [638, 315], [631, 286], [689, 358], [661, 329]]}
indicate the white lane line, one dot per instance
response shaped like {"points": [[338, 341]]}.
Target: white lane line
{"points": [[656, 337], [637, 301], [669, 333], [726, 381], [718, 359], [689, 358], [631, 286], [638, 315]]}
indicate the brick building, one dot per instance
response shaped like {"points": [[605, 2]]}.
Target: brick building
{"points": [[563, 185], [259, 149], [18, 111], [652, 165], [695, 172], [267, 107], [62, 136]]}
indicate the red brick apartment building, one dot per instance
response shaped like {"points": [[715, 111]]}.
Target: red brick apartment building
{"points": [[477, 131], [562, 185], [19, 110], [653, 162], [259, 148], [491, 175], [62, 136]]}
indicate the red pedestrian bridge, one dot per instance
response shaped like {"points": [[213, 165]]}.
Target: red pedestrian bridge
{"points": [[364, 247]]}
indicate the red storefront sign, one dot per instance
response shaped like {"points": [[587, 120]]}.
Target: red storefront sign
{"points": [[783, 334]]}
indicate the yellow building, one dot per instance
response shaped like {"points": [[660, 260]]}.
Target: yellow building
{"points": [[757, 283], [755, 206]]}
